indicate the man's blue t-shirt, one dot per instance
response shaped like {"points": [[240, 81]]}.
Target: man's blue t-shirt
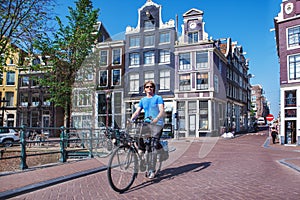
{"points": [[151, 108]]}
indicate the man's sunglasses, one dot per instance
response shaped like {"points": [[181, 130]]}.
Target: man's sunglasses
{"points": [[148, 86]]}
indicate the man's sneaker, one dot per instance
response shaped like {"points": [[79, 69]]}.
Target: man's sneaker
{"points": [[151, 174]]}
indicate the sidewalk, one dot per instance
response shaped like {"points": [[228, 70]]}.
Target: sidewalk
{"points": [[32, 179]]}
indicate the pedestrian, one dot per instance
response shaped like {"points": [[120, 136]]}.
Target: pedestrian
{"points": [[274, 134], [153, 106]]}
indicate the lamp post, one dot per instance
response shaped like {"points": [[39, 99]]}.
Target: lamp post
{"points": [[2, 107], [107, 110]]}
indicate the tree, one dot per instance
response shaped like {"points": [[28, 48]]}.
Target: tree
{"points": [[67, 50], [21, 22]]}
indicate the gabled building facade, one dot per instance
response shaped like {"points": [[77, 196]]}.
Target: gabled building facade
{"points": [[98, 91], [200, 92], [34, 106], [204, 83], [9, 85], [287, 30], [149, 55]]}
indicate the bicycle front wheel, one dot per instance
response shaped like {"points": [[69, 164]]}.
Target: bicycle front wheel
{"points": [[122, 168]]}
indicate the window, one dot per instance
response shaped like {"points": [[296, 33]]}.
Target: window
{"points": [[83, 121], [149, 76], [216, 83], [203, 119], [34, 118], [9, 96], [34, 81], [165, 79], [24, 81], [82, 98], [202, 81], [164, 56], [85, 74], [149, 57], [201, 60], [35, 100], [116, 77], [294, 67], [164, 37], [290, 112], [116, 56], [181, 115], [103, 58], [149, 24], [149, 40], [118, 109], [102, 103], [184, 82], [134, 82], [293, 36], [184, 61], [134, 41], [103, 78], [10, 78], [89, 73], [134, 59], [1, 78], [290, 98], [46, 100], [24, 99], [192, 37], [36, 61]]}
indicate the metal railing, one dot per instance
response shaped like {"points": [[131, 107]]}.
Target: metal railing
{"points": [[72, 142]]}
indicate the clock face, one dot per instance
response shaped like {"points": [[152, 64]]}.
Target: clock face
{"points": [[193, 25], [288, 8]]}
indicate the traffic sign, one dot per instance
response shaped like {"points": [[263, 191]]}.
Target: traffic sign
{"points": [[269, 117]]}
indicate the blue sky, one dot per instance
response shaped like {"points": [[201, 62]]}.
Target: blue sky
{"points": [[246, 21]]}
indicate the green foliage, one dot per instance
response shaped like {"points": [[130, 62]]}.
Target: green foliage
{"points": [[22, 21], [67, 50]]}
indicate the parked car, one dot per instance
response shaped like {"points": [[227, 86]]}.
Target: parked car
{"points": [[261, 121], [8, 136]]}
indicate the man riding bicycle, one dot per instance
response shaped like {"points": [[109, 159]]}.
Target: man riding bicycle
{"points": [[153, 106]]}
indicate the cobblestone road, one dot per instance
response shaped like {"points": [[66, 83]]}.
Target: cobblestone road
{"points": [[239, 168]]}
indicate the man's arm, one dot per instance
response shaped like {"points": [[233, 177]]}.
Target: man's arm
{"points": [[160, 114], [135, 114]]}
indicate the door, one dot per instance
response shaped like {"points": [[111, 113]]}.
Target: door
{"points": [[192, 125], [290, 132]]}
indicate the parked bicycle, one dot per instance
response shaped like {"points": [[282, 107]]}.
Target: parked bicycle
{"points": [[128, 159]]}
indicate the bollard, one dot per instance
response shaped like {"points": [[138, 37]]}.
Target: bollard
{"points": [[63, 152], [23, 164]]}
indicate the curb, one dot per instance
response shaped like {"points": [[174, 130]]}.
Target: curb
{"points": [[44, 184], [282, 161]]}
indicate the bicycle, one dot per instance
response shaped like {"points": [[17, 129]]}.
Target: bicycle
{"points": [[127, 159]]}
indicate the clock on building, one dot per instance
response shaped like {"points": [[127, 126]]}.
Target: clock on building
{"points": [[288, 8], [193, 25]]}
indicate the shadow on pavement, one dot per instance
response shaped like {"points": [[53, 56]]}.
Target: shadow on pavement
{"points": [[172, 173]]}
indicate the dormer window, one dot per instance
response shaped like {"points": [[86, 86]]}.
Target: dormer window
{"points": [[36, 61], [149, 24], [193, 37]]}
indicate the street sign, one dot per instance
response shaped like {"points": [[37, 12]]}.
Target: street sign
{"points": [[269, 117]]}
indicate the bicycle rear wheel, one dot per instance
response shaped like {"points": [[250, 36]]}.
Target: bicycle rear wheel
{"points": [[122, 168]]}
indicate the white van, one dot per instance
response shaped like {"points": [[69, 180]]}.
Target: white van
{"points": [[261, 121]]}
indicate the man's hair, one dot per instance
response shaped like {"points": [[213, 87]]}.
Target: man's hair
{"points": [[152, 83]]}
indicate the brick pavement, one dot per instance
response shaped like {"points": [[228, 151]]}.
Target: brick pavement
{"points": [[237, 168]]}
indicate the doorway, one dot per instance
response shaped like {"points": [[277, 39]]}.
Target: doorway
{"points": [[290, 132], [192, 125]]}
